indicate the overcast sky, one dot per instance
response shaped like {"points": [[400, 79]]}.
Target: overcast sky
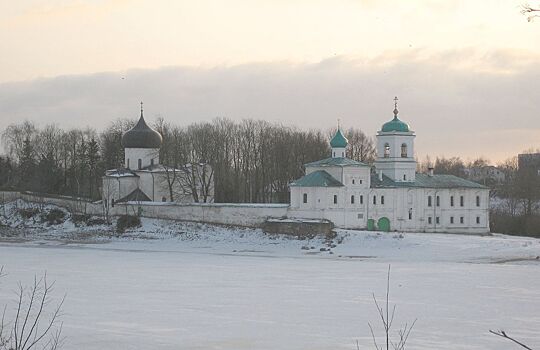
{"points": [[466, 72]]}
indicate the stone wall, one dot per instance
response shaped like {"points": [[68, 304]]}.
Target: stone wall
{"points": [[250, 215]]}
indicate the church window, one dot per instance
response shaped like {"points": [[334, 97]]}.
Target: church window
{"points": [[360, 181], [451, 201], [152, 161], [305, 197], [461, 219], [404, 150], [477, 201], [386, 150], [334, 154], [478, 220], [429, 220], [429, 201], [437, 220], [361, 199], [140, 164], [382, 200], [374, 199], [451, 219], [352, 199], [461, 201], [410, 214], [353, 181], [335, 199], [128, 163], [438, 201], [163, 199], [404, 177], [112, 202]]}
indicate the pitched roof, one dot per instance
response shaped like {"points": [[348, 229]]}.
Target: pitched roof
{"points": [[318, 178], [120, 172], [426, 181], [342, 162], [136, 196]]}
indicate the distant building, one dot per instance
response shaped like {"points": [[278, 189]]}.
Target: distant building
{"points": [[486, 174], [530, 162], [144, 179], [391, 196]]}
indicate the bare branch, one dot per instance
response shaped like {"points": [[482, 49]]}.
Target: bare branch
{"points": [[503, 334]]}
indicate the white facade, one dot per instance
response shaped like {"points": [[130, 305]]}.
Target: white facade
{"points": [[138, 158], [391, 197]]}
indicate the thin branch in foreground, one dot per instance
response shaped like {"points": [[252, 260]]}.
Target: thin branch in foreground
{"points": [[387, 319], [503, 334], [529, 11]]}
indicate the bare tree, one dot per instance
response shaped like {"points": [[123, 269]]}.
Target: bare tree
{"points": [[387, 318], [503, 334], [32, 326]]}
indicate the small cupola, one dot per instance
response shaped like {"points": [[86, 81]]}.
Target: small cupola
{"points": [[339, 144]]}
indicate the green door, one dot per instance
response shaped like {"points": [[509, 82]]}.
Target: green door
{"points": [[371, 225], [384, 224]]}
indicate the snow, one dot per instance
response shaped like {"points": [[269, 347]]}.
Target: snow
{"points": [[173, 285]]}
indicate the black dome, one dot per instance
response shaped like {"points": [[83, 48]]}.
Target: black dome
{"points": [[141, 136]]}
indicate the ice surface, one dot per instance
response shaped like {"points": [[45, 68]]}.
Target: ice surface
{"points": [[173, 285]]}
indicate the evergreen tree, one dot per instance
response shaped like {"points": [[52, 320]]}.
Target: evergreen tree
{"points": [[27, 167]]}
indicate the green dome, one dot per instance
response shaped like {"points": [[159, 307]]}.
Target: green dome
{"points": [[339, 140], [395, 125]]}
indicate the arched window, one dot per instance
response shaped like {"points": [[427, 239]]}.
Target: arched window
{"points": [[140, 164], [386, 150], [403, 150]]}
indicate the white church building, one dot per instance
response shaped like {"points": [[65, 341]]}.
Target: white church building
{"points": [[144, 179], [392, 195]]}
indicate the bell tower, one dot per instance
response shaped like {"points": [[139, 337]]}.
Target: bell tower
{"points": [[395, 150]]}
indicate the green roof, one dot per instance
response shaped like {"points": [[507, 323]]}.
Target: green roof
{"points": [[339, 140], [395, 125], [335, 162], [318, 178], [426, 181]]}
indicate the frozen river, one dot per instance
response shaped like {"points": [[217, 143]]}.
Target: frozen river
{"points": [[151, 299]]}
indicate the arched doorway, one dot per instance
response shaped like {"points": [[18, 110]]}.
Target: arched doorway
{"points": [[384, 224]]}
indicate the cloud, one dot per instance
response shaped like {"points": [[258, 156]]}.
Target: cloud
{"points": [[488, 107]]}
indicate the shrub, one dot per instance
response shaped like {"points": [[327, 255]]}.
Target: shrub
{"points": [[127, 221], [80, 218], [28, 213], [96, 221], [53, 217]]}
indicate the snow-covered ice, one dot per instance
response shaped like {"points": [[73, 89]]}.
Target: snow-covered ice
{"points": [[171, 285]]}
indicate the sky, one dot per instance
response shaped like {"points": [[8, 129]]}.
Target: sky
{"points": [[465, 72]]}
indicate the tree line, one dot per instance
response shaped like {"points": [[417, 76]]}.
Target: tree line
{"points": [[253, 161]]}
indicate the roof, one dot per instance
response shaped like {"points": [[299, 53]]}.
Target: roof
{"points": [[121, 172], [136, 196], [141, 136], [339, 140], [318, 178], [342, 162], [395, 125], [426, 181]]}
